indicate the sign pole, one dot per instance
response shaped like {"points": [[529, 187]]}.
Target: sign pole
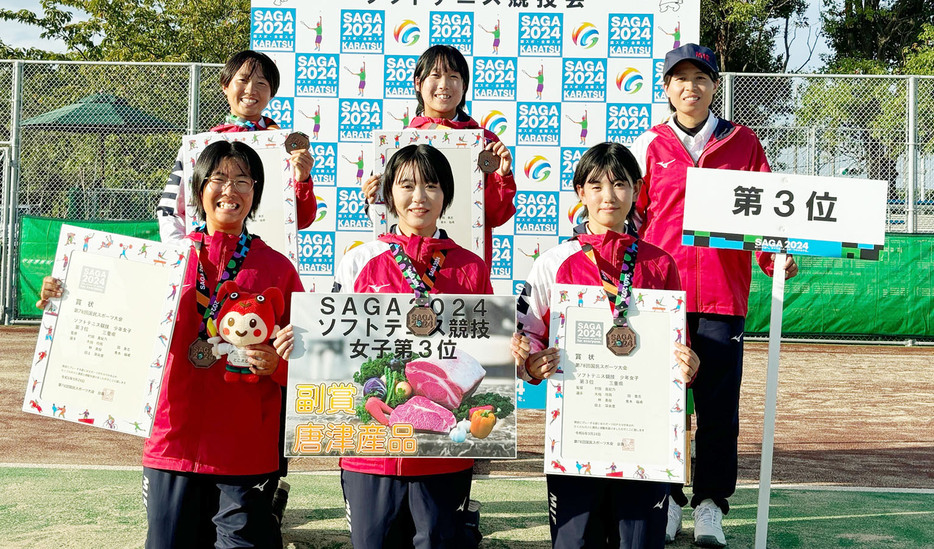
{"points": [[771, 397]]}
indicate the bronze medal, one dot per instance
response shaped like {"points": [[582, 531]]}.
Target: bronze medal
{"points": [[200, 355], [621, 340], [296, 141], [488, 161], [421, 320]]}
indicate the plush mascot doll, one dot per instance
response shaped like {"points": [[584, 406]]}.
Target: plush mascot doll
{"points": [[245, 319]]}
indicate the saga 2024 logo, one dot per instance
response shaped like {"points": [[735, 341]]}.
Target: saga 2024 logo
{"points": [[539, 123], [315, 252], [584, 80], [358, 119], [351, 210], [316, 75], [454, 28], [540, 34], [630, 35], [536, 213], [494, 78], [272, 29], [362, 31], [624, 123], [397, 76]]}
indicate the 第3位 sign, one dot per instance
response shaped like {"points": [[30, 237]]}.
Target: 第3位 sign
{"points": [[784, 213]]}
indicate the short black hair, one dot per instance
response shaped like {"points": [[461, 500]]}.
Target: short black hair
{"points": [[609, 158], [211, 157], [253, 60], [449, 58], [429, 162]]}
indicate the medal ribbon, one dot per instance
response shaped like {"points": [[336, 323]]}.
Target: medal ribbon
{"points": [[420, 284], [207, 302], [618, 292]]}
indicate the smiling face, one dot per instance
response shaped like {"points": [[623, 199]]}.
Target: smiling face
{"points": [[248, 94], [244, 329], [417, 203], [226, 208], [608, 200], [441, 90], [690, 91]]}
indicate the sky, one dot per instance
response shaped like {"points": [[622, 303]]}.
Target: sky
{"points": [[21, 36]]}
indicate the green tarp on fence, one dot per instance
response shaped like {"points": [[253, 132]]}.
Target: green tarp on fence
{"points": [[38, 239], [892, 297]]}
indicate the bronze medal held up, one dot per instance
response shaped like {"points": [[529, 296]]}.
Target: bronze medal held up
{"points": [[488, 161], [296, 141]]}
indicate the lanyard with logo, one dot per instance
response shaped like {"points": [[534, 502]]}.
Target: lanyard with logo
{"points": [[199, 352], [620, 339], [421, 320]]}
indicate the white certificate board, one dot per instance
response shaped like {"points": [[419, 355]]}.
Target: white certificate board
{"points": [[336, 334], [464, 219], [616, 416], [785, 213], [275, 221], [103, 345]]}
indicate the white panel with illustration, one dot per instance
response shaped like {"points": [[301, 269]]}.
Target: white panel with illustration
{"points": [[616, 416], [103, 345]]}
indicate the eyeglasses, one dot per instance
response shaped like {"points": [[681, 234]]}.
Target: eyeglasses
{"points": [[240, 184]]}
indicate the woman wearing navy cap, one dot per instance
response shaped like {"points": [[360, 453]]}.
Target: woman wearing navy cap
{"points": [[716, 281]]}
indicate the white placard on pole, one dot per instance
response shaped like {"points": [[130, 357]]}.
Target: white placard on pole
{"points": [[795, 214], [785, 214]]}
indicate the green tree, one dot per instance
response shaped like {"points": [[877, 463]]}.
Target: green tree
{"points": [[743, 33], [919, 57], [204, 31], [874, 36]]}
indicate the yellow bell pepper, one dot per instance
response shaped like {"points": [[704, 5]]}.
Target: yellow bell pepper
{"points": [[481, 423]]}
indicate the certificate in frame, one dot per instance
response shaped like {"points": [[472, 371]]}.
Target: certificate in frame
{"points": [[275, 221], [464, 219], [103, 345], [616, 416]]}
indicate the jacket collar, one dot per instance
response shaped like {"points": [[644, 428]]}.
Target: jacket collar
{"points": [[610, 245], [420, 248]]}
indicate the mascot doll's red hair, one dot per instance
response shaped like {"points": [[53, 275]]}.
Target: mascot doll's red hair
{"points": [[244, 320]]}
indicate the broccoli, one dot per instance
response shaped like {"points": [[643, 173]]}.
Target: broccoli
{"points": [[375, 367], [392, 370], [502, 406], [362, 414]]}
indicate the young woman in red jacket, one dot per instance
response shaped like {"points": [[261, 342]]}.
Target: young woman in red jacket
{"points": [[249, 80], [405, 502], [599, 512], [442, 77]]}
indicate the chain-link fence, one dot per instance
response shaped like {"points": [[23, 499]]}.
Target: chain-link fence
{"points": [[860, 127], [96, 141]]}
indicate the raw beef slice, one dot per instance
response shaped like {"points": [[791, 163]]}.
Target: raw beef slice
{"points": [[445, 381], [424, 415]]}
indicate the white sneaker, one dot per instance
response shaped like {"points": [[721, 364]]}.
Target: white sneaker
{"points": [[708, 527], [674, 520]]}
